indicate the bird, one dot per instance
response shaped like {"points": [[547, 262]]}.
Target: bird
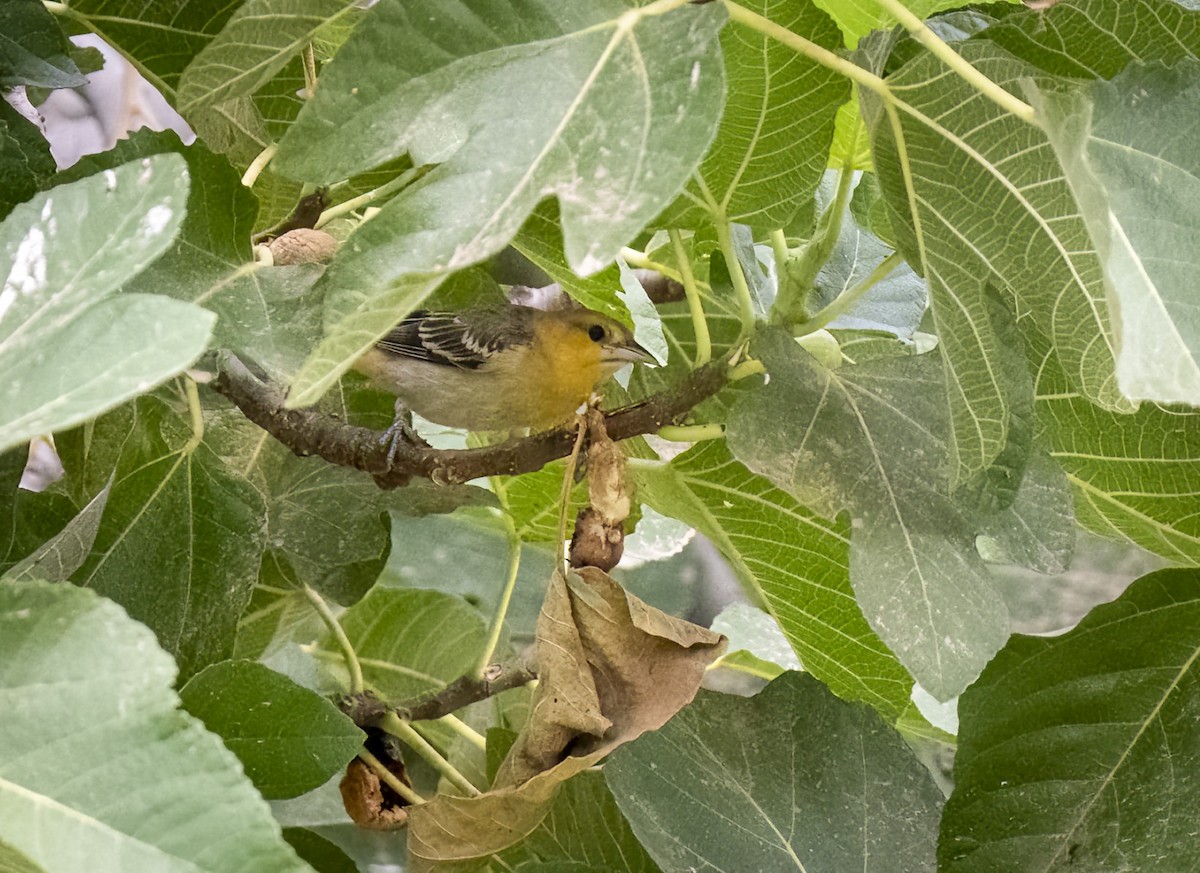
{"points": [[500, 367]]}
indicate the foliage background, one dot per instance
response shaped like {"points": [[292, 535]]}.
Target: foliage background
{"points": [[964, 257]]}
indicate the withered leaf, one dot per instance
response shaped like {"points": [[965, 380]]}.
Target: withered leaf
{"points": [[610, 668]]}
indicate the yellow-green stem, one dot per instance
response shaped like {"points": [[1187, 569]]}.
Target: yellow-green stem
{"points": [[403, 731], [382, 191], [694, 433], [695, 304], [465, 731], [844, 301], [335, 628], [510, 583], [746, 369], [564, 497], [389, 778], [640, 261], [952, 59], [736, 275], [196, 413], [310, 71], [258, 165]]}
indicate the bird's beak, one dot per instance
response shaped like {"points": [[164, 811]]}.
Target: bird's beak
{"points": [[629, 352]]}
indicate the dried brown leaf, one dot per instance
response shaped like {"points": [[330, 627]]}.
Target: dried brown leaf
{"points": [[610, 668]]}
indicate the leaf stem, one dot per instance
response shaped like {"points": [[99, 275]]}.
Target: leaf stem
{"points": [[745, 370], [809, 49], [402, 730], [695, 304], [779, 248], [387, 776], [798, 274], [692, 434], [196, 413], [737, 276], [465, 731], [384, 190], [258, 165], [501, 611], [343, 641], [310, 70], [639, 260], [952, 59], [846, 300]]}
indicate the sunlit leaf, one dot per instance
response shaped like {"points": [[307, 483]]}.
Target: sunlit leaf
{"points": [[70, 347]]}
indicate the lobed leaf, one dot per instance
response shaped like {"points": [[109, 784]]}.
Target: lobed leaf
{"points": [[1071, 749], [773, 141], [627, 103], [795, 560], [1009, 220], [792, 778], [106, 774], [1127, 149], [69, 348]]}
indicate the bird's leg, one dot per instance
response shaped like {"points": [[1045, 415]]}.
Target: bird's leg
{"points": [[400, 430]]}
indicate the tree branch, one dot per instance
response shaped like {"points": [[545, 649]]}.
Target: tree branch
{"points": [[308, 432], [366, 709]]}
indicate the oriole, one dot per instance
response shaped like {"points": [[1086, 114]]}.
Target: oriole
{"points": [[499, 368]]}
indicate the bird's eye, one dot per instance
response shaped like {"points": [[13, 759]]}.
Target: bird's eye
{"points": [[596, 333]]}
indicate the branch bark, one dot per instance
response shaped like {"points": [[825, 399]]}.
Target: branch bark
{"points": [[308, 432]]}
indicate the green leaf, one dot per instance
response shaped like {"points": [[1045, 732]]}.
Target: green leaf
{"points": [[409, 642], [895, 303], [790, 779], [871, 439], [328, 524], [33, 49], [318, 851], [657, 79], [1073, 750], [12, 861], [140, 785], [466, 554], [583, 831], [69, 348], [25, 161], [540, 239], [755, 632], [773, 141], [57, 559], [181, 538], [1134, 477], [799, 568], [289, 739], [1095, 39], [1008, 221], [1126, 147], [857, 18], [163, 37], [254, 45], [267, 314]]}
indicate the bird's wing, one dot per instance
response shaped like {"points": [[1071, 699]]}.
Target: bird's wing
{"points": [[461, 341]]}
